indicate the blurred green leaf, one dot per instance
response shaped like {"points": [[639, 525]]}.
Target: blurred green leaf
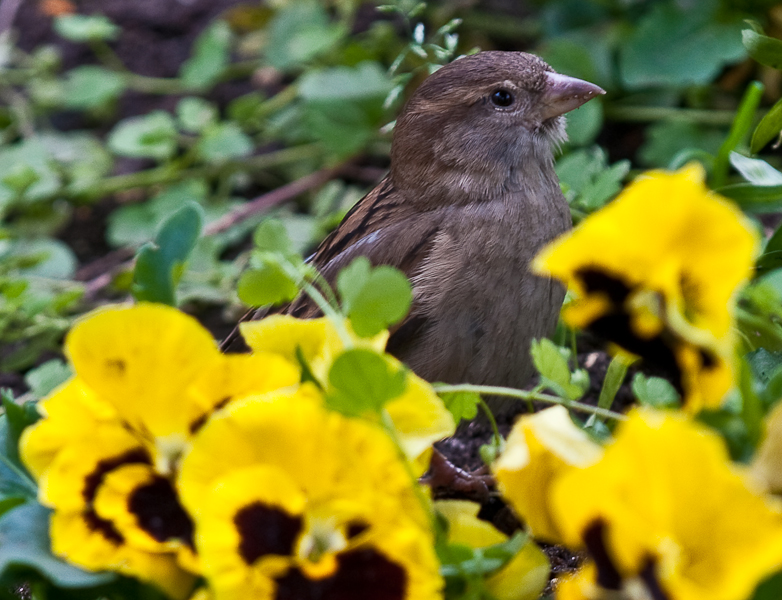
{"points": [[772, 254], [675, 47], [43, 379], [195, 114], [151, 136], [585, 123], [223, 141], [86, 28], [159, 265], [373, 298], [764, 49], [25, 544], [462, 405], [363, 381], [211, 55], [666, 139], [768, 128], [754, 198], [655, 391], [17, 418], [299, 32], [136, 224], [272, 236], [343, 106], [588, 179], [551, 361], [91, 86], [756, 171], [739, 130], [769, 589], [268, 284]]}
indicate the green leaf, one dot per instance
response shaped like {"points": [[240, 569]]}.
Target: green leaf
{"points": [[272, 236], [755, 170], [136, 224], [91, 86], [195, 114], [768, 128], [588, 180], [668, 139], [24, 543], [152, 136], [462, 405], [363, 381], [739, 130], [764, 49], [343, 106], [551, 361], [754, 198], [769, 589], [299, 32], [584, 123], [655, 391], [458, 560], [772, 254], [615, 375], [373, 298], [159, 265], [266, 285], [44, 379], [222, 142], [86, 28], [18, 417], [210, 57], [696, 47]]}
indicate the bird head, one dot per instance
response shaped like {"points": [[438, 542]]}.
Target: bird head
{"points": [[482, 121]]}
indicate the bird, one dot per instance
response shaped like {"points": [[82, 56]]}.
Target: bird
{"points": [[471, 196]]}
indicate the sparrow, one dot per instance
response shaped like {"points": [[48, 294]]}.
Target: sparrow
{"points": [[470, 198]]}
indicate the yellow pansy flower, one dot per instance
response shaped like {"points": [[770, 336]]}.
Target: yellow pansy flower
{"points": [[418, 414], [107, 448], [656, 272], [292, 500], [524, 577], [666, 509], [540, 448]]}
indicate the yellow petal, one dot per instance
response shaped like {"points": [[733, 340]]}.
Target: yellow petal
{"points": [[140, 359], [420, 417], [658, 266], [540, 449], [660, 494], [316, 339]]}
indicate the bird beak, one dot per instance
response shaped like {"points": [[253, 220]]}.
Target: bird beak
{"points": [[564, 93]]}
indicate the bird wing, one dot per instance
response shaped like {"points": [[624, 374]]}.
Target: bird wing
{"points": [[383, 227]]}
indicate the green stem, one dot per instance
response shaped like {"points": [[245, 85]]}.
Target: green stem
{"points": [[492, 421], [423, 499], [525, 395]]}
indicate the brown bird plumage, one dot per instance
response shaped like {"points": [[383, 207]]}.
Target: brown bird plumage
{"points": [[470, 198]]}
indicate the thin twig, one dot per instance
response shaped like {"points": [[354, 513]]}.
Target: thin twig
{"points": [[273, 198], [259, 204]]}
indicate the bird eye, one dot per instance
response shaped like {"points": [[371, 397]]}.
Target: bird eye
{"points": [[501, 98]]}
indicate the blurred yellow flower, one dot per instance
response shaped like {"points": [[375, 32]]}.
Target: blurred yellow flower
{"points": [[524, 577], [656, 272], [665, 509], [418, 414], [540, 448], [292, 500], [146, 379]]}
